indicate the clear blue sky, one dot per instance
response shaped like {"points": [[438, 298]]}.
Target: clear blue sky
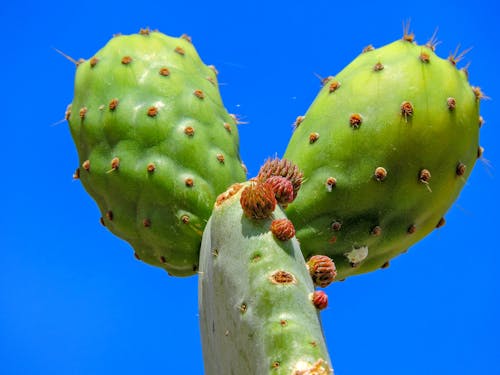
{"points": [[73, 300]]}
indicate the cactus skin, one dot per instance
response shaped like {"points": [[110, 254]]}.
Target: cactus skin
{"points": [[155, 143], [385, 148], [255, 297]]}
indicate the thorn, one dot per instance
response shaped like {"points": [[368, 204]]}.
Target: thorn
{"points": [[407, 35], [67, 57], [432, 43], [456, 57]]}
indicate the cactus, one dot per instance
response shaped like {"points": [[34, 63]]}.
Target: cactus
{"points": [[379, 157], [258, 307], [385, 149], [156, 146]]}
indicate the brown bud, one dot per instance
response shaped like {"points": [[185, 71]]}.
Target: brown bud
{"points": [[282, 229], [322, 270], [282, 188], [319, 299], [257, 200]]}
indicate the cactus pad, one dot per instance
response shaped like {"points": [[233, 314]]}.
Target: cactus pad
{"points": [[155, 143], [385, 149]]}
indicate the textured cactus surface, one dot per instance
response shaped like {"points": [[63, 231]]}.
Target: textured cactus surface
{"points": [[257, 313], [155, 143], [385, 148]]}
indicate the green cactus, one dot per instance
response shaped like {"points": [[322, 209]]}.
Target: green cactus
{"points": [[385, 149], [155, 143], [258, 308]]}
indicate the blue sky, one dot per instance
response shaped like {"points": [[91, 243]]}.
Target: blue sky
{"points": [[73, 300]]}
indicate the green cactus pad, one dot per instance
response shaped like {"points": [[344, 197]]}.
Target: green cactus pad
{"points": [[385, 149], [155, 143], [255, 297]]}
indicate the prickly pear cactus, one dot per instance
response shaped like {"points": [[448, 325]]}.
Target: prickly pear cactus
{"points": [[385, 148], [258, 307], [155, 143]]}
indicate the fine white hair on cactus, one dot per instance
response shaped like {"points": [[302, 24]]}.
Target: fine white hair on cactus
{"points": [[357, 254]]}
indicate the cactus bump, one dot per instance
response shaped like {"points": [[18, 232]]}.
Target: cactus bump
{"points": [[385, 148], [155, 143]]}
